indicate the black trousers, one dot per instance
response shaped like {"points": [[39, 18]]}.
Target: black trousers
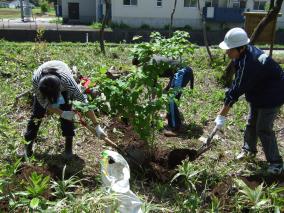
{"points": [[38, 113]]}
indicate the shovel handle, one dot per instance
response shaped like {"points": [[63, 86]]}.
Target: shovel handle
{"points": [[207, 145], [212, 134], [114, 145], [106, 139]]}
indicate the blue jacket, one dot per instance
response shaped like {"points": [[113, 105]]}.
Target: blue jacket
{"points": [[259, 77]]}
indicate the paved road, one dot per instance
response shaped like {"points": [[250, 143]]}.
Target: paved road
{"points": [[40, 22]]}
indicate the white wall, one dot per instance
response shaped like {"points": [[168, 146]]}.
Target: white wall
{"points": [[87, 9], [147, 12]]}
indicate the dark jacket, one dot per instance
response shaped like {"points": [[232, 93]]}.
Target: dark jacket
{"points": [[259, 77]]}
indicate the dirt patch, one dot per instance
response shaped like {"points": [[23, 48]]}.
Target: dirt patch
{"points": [[4, 206], [224, 191], [254, 181], [162, 160], [56, 163], [176, 156]]}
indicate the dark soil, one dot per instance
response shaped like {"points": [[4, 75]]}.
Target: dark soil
{"points": [[176, 156], [159, 164], [254, 181], [4, 206], [224, 191]]}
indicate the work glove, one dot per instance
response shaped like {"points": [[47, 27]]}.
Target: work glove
{"points": [[68, 115], [100, 131], [220, 121]]}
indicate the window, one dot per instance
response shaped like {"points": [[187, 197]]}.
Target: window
{"points": [[208, 3], [236, 4], [159, 3], [190, 3], [130, 2], [259, 5]]}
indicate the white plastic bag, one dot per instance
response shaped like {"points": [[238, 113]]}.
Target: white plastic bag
{"points": [[115, 176]]}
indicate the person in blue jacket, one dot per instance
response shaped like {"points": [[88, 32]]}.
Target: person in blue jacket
{"points": [[179, 76], [261, 79]]}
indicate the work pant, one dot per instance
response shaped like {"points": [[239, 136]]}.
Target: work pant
{"points": [[260, 125]]}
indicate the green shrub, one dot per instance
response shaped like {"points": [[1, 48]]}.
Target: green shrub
{"points": [[44, 7], [120, 25], [145, 27], [96, 25]]}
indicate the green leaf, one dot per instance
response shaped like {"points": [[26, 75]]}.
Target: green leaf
{"points": [[34, 203]]}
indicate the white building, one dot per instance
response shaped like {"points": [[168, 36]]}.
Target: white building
{"points": [[81, 11], [156, 13], [17, 4]]}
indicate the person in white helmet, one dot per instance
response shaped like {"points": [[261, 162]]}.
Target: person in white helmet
{"points": [[261, 79]]}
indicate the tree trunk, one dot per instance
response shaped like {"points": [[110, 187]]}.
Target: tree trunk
{"points": [[104, 23], [205, 39], [272, 14], [172, 19], [22, 10]]}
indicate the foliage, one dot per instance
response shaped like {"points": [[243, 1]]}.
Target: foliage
{"points": [[261, 198], [190, 173], [33, 195], [57, 20], [44, 7], [62, 188], [96, 25], [145, 27], [132, 96], [120, 25], [199, 107]]}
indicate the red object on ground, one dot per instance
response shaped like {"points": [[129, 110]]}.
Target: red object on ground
{"points": [[85, 82]]}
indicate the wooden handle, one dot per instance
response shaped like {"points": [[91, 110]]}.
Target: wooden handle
{"points": [[106, 139], [209, 139]]}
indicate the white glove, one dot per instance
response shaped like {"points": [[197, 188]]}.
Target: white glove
{"points": [[100, 131], [220, 121], [68, 115]]}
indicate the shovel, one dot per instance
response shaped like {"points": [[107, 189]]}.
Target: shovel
{"points": [[108, 141], [207, 145]]}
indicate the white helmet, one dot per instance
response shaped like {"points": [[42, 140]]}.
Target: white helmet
{"points": [[235, 37]]}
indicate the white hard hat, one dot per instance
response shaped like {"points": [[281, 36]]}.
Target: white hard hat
{"points": [[235, 37]]}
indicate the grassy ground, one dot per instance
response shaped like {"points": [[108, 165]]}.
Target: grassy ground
{"points": [[9, 13], [206, 185]]}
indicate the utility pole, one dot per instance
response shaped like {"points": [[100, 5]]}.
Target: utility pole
{"points": [[22, 10]]}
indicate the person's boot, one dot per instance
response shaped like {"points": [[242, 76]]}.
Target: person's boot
{"points": [[275, 168], [169, 132], [68, 153], [245, 155]]}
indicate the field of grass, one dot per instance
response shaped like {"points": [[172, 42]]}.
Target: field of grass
{"points": [[215, 182]]}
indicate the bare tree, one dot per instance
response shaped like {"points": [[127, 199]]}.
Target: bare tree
{"points": [[104, 23], [172, 18], [204, 30]]}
